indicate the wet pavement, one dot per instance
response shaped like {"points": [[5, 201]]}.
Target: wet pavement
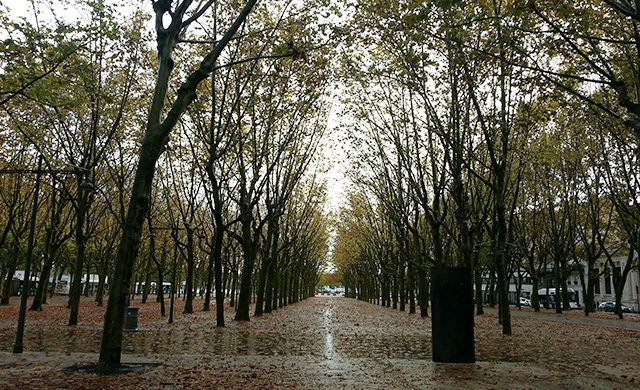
{"points": [[339, 343]]}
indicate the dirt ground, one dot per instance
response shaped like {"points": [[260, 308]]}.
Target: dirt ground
{"points": [[320, 343]]}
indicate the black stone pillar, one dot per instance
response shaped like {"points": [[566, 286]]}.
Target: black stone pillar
{"points": [[452, 315]]}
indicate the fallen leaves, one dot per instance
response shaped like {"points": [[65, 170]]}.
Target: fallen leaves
{"points": [[320, 343]]}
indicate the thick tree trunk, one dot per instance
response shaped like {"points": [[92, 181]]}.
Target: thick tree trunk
{"points": [[146, 290], [394, 294], [41, 291], [220, 293], [535, 301], [209, 283], [559, 282], [160, 292], [503, 296], [477, 275], [403, 291], [276, 289], [424, 292], [249, 251], [156, 137], [269, 288], [284, 288], [102, 279], [111, 346], [266, 266], [412, 290], [501, 250], [50, 250], [159, 268], [589, 297], [234, 286], [3, 277], [295, 287], [76, 283], [622, 279], [87, 281], [188, 306], [11, 270]]}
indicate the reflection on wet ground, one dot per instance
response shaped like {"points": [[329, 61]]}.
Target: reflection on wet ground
{"points": [[328, 333], [219, 342], [329, 350], [70, 339], [330, 343], [327, 330]]}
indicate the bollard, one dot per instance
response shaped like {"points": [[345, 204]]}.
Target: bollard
{"points": [[131, 319]]}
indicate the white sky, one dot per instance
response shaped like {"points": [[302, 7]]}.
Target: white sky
{"points": [[336, 181]]}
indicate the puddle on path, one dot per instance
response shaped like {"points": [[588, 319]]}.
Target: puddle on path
{"points": [[58, 340], [329, 350], [325, 331], [220, 343]]}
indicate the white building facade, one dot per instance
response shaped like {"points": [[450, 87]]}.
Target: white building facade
{"points": [[604, 290]]}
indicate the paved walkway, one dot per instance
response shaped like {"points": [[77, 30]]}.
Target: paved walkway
{"points": [[340, 343]]}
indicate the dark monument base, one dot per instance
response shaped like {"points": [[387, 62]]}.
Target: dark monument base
{"points": [[452, 315]]}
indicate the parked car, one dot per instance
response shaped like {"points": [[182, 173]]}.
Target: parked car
{"points": [[610, 307], [525, 302]]}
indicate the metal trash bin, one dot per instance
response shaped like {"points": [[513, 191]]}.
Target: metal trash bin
{"points": [[131, 319]]}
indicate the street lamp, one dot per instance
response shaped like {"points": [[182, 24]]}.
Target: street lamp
{"points": [[85, 186]]}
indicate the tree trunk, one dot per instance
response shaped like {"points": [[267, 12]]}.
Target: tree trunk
{"points": [[266, 265], [87, 281], [146, 290], [234, 285], [160, 292], [155, 139], [394, 294], [622, 278], [49, 254], [559, 282], [249, 251], [220, 293], [424, 292], [209, 283], [477, 275], [275, 289], [111, 345], [102, 279], [41, 291], [11, 270], [188, 306], [76, 286], [269, 288], [403, 291], [412, 290], [589, 296], [535, 301]]}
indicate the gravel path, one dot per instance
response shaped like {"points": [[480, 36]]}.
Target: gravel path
{"points": [[336, 343]]}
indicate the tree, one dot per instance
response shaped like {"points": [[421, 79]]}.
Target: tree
{"points": [[81, 121], [15, 201], [156, 137], [623, 183], [597, 43], [183, 192], [54, 239], [32, 54]]}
